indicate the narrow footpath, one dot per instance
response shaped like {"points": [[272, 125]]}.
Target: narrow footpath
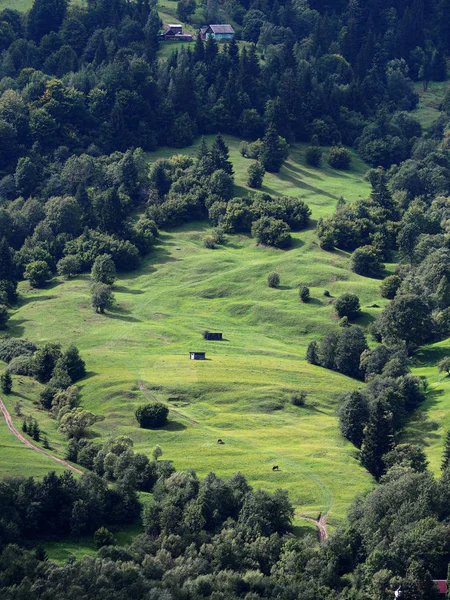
{"points": [[321, 524], [23, 439]]}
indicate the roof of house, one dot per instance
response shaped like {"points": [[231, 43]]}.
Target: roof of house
{"points": [[441, 585], [175, 25], [204, 29], [222, 28]]}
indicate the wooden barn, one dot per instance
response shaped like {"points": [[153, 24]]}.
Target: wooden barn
{"points": [[209, 335], [197, 355], [175, 33], [221, 32]]}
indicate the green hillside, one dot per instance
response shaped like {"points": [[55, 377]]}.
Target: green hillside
{"points": [[241, 393]]}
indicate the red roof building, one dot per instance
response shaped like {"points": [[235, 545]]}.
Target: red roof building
{"points": [[441, 585]]}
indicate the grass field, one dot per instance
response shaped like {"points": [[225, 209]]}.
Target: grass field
{"points": [[241, 393], [428, 110]]}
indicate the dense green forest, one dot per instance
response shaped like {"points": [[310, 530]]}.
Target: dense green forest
{"points": [[85, 96]]}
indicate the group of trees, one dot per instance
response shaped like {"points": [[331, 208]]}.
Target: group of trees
{"points": [[187, 189]]}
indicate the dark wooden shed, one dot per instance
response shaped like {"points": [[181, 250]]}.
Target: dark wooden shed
{"points": [[197, 355], [209, 335]]}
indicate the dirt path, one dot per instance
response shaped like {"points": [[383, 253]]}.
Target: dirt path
{"points": [[145, 391], [24, 440], [321, 524]]}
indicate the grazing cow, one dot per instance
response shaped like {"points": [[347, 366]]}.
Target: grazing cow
{"points": [[220, 441], [276, 468]]}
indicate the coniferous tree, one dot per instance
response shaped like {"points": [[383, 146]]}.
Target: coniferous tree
{"points": [[24, 426], [274, 150], [446, 453], [220, 156], [312, 353], [35, 431], [353, 416], [199, 49], [6, 382], [377, 440]]}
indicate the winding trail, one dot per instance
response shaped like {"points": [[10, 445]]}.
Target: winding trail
{"points": [[23, 439], [321, 524]]}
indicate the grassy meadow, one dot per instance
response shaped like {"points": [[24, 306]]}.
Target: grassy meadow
{"points": [[241, 392]]}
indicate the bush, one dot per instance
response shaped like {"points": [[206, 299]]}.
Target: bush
{"points": [[255, 175], [272, 232], [389, 286], [339, 158], [304, 294], [37, 273], [69, 266], [299, 398], [313, 156], [209, 242], [103, 537], [152, 415], [367, 261], [273, 280], [347, 305], [326, 293], [12, 347], [21, 365]]}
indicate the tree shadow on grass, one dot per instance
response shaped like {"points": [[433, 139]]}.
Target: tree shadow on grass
{"points": [[431, 355], [122, 317], [124, 290], [23, 301], [365, 319], [421, 428], [15, 328], [174, 426], [296, 243]]}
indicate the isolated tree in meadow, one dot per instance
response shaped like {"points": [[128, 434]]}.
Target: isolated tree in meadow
{"points": [[156, 452], [37, 273], [6, 383], [152, 415], [444, 365], [102, 297], [273, 280], [353, 417], [35, 431], [347, 305], [304, 294], [378, 439], [446, 454], [104, 270], [272, 232]]}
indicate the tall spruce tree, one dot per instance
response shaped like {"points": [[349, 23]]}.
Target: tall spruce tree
{"points": [[274, 150], [221, 156], [377, 440]]}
